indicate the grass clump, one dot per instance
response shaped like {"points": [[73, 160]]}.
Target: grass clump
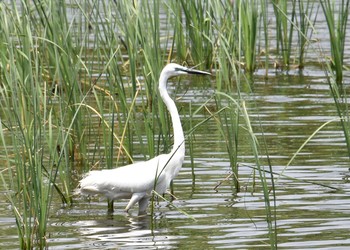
{"points": [[337, 25], [33, 160], [305, 20], [284, 28], [248, 15], [337, 19]]}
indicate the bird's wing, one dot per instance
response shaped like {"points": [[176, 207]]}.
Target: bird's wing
{"points": [[133, 178]]}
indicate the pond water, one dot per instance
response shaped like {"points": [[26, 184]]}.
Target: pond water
{"points": [[289, 107]]}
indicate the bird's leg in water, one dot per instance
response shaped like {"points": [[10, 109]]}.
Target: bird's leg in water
{"points": [[134, 198], [143, 204], [110, 206]]}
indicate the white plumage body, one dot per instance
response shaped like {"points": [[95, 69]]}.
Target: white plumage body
{"points": [[146, 176]]}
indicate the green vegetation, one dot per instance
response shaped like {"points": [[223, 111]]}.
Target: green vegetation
{"points": [[76, 76], [337, 19]]}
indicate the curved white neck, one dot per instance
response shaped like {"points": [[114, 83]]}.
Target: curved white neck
{"points": [[179, 138]]}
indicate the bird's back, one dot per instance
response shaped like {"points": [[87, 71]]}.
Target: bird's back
{"points": [[122, 182]]}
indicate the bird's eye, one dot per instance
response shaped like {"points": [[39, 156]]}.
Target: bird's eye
{"points": [[180, 70]]}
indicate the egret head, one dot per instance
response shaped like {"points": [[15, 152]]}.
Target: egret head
{"points": [[173, 69]]}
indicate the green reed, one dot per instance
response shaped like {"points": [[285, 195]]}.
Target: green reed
{"points": [[270, 210], [191, 139], [157, 125], [337, 19], [305, 25], [140, 33], [178, 48], [341, 104], [284, 28], [263, 28], [33, 164], [235, 116], [230, 126], [41, 90], [248, 18], [199, 30]]}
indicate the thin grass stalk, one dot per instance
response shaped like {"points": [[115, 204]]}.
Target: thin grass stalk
{"points": [[62, 60], [198, 26], [340, 101], [228, 124], [334, 68], [7, 55], [112, 49], [337, 33], [160, 196], [153, 62], [190, 143], [270, 215], [117, 87], [304, 144], [229, 120], [265, 17], [284, 29], [28, 122], [305, 23], [226, 69], [33, 119], [133, 24], [179, 40], [132, 35], [248, 16]]}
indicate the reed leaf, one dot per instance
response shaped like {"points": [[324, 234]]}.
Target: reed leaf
{"points": [[248, 17], [337, 26]]}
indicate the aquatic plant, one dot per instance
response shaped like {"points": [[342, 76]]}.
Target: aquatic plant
{"points": [[337, 24], [284, 28], [199, 28], [34, 158], [264, 24], [248, 19], [342, 106], [305, 21]]}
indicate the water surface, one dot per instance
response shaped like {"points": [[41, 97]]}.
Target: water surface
{"points": [[286, 109]]}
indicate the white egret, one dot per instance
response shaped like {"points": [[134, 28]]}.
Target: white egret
{"points": [[136, 181]]}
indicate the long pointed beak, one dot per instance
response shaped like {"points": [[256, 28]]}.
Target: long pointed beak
{"points": [[196, 72]]}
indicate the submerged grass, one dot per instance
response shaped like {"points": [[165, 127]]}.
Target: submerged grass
{"points": [[72, 72]]}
